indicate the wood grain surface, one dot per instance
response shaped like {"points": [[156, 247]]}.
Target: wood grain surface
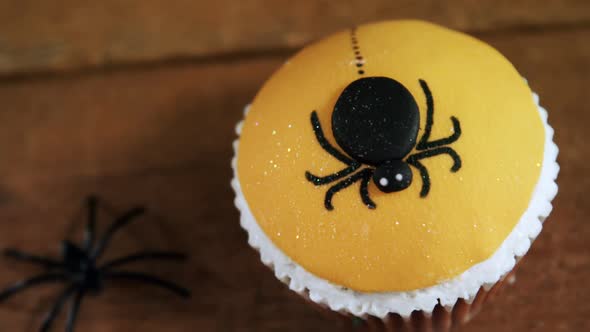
{"points": [[41, 35], [161, 136]]}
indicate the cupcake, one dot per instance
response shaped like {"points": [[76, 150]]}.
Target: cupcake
{"points": [[395, 172]]}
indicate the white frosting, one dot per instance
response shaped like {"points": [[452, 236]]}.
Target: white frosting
{"points": [[465, 286]]}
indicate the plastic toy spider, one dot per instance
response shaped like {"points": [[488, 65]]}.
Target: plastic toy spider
{"points": [[78, 268], [375, 121]]}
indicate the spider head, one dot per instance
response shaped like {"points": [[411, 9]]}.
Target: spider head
{"points": [[75, 259], [392, 176]]}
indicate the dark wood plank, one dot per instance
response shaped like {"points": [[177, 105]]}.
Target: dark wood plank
{"points": [[66, 34], [162, 137], [129, 120]]}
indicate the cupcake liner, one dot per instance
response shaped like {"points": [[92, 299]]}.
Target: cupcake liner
{"points": [[462, 293], [441, 319]]}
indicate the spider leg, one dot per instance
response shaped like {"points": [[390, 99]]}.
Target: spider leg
{"points": [[423, 174], [90, 233], [122, 221], [424, 144], [344, 184], [149, 279], [29, 258], [74, 309], [435, 152], [24, 284], [51, 315], [320, 180], [365, 190], [319, 134], [414, 160], [145, 255]]}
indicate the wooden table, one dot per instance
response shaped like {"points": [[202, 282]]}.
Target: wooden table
{"points": [[160, 134]]}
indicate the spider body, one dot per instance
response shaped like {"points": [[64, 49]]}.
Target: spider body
{"points": [[375, 121], [79, 269]]}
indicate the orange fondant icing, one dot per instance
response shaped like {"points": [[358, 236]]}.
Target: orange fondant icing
{"points": [[407, 242]]}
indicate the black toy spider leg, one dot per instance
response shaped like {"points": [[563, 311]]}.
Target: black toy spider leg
{"points": [[317, 180], [46, 262], [149, 279], [423, 174], [54, 312], [146, 255], [435, 152], [424, 144], [365, 190], [73, 312], [115, 226], [22, 285], [319, 134], [344, 184], [90, 233]]}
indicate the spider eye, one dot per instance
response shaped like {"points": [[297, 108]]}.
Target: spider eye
{"points": [[393, 176]]}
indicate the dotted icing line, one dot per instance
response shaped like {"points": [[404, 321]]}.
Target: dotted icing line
{"points": [[357, 52]]}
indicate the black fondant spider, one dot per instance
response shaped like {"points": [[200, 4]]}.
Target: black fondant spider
{"points": [[78, 268], [375, 121]]}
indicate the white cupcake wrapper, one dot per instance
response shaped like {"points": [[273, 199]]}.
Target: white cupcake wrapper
{"points": [[465, 286]]}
